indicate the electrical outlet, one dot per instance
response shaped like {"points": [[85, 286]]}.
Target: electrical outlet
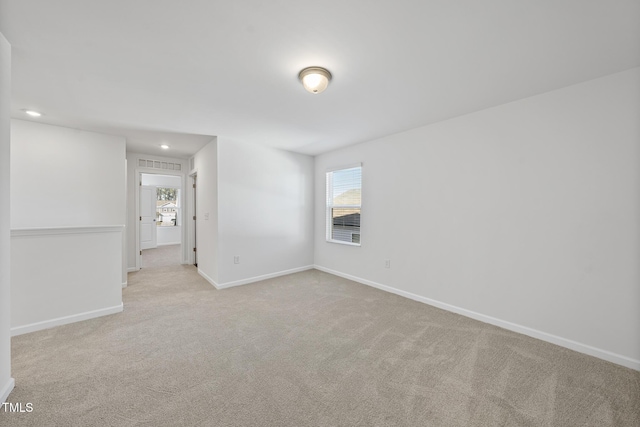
{"points": [[387, 263], [236, 259]]}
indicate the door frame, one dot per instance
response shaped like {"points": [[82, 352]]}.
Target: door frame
{"points": [[192, 219], [184, 256]]}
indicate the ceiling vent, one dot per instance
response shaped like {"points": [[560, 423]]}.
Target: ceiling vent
{"points": [[155, 164]]}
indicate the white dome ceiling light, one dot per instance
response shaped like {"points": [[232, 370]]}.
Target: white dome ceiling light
{"points": [[315, 79]]}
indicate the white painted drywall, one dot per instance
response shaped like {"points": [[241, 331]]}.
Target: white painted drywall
{"points": [[527, 212], [6, 382], [124, 277], [133, 176], [168, 181], [169, 235], [206, 167], [65, 178], [130, 227], [265, 200], [78, 273]]}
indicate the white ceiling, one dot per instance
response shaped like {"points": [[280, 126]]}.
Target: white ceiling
{"points": [[180, 72]]}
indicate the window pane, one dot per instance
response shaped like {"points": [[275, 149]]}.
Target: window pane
{"points": [[346, 186], [343, 205], [167, 207], [345, 225]]}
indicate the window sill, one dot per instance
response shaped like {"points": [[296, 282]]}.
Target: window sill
{"points": [[342, 242]]}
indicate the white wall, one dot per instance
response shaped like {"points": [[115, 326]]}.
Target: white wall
{"points": [[134, 169], [130, 224], [6, 382], [206, 167], [524, 215], [78, 276], [265, 200], [65, 177], [67, 219], [169, 235], [124, 277], [168, 181]]}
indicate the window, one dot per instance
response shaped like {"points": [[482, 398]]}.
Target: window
{"points": [[167, 207], [343, 205]]}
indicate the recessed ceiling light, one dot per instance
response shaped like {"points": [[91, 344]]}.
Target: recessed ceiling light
{"points": [[315, 79], [164, 146], [32, 113]]}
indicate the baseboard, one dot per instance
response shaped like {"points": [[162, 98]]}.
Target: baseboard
{"points": [[169, 244], [132, 269], [6, 390], [207, 278], [263, 277], [32, 327], [544, 336], [252, 279], [124, 284]]}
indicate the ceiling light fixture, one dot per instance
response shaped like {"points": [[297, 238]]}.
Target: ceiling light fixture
{"points": [[164, 146], [315, 79], [32, 113]]}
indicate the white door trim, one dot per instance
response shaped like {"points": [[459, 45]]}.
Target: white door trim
{"points": [[192, 229]]}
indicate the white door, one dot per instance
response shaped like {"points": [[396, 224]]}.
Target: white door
{"points": [[148, 227]]}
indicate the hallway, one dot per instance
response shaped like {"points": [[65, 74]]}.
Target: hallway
{"points": [[161, 256]]}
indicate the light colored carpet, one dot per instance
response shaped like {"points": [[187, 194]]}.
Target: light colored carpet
{"points": [[309, 349], [161, 256]]}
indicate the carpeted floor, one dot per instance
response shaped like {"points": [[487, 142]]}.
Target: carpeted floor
{"points": [[309, 349], [161, 256]]}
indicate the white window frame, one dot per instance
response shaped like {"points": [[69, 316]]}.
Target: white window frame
{"points": [[330, 206]]}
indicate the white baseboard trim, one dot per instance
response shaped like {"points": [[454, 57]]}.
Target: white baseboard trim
{"points": [[132, 269], [124, 284], [263, 277], [6, 390], [207, 278], [253, 279], [32, 327], [169, 244], [544, 336]]}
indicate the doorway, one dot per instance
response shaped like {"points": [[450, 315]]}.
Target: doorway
{"points": [[160, 220]]}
